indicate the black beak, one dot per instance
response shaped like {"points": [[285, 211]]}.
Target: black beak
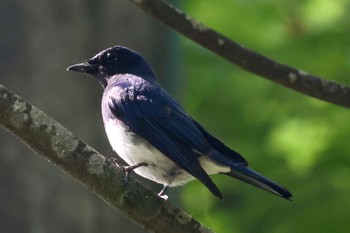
{"points": [[84, 67]]}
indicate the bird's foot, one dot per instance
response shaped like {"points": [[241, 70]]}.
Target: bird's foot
{"points": [[165, 197], [128, 169], [111, 161], [160, 194]]}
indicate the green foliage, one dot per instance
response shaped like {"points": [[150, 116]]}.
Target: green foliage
{"points": [[295, 140]]}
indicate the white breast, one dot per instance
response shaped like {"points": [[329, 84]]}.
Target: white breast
{"points": [[133, 150]]}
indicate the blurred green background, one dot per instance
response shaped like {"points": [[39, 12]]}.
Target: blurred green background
{"points": [[300, 142], [294, 139]]}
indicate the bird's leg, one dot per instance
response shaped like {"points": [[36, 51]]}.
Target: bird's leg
{"points": [[129, 169], [160, 194]]}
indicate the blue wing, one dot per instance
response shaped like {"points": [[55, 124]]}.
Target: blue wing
{"points": [[155, 116]]}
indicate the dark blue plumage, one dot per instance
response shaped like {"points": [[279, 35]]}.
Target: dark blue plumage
{"points": [[145, 125]]}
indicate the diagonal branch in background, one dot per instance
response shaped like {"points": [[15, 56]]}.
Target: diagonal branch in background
{"points": [[247, 59], [58, 145]]}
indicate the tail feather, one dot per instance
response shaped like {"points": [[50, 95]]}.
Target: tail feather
{"points": [[249, 176]]}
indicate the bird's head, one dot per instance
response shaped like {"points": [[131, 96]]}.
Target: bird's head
{"points": [[113, 61]]}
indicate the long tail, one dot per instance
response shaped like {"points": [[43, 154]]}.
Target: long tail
{"points": [[249, 176]]}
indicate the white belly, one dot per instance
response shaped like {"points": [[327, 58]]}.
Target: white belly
{"points": [[133, 150], [160, 169]]}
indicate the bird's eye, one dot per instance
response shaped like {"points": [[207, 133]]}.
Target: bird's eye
{"points": [[111, 57]]}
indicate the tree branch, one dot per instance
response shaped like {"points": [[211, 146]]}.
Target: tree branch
{"points": [[58, 145], [247, 59]]}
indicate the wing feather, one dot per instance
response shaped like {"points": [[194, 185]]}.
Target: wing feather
{"points": [[167, 127]]}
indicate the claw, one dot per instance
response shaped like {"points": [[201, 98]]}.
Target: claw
{"points": [[111, 161]]}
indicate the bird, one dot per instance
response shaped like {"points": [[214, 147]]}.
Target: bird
{"points": [[153, 133]]}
